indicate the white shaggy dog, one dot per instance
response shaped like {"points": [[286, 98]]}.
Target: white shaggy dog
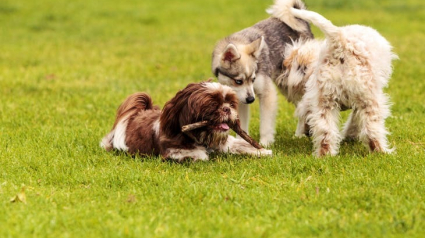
{"points": [[347, 70]]}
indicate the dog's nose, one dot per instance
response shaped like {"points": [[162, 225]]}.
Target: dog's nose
{"points": [[226, 110], [250, 99]]}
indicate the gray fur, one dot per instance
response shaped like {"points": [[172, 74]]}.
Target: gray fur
{"points": [[276, 35], [250, 67]]}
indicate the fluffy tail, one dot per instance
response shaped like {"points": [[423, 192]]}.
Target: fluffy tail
{"points": [[282, 11], [130, 107], [316, 19]]}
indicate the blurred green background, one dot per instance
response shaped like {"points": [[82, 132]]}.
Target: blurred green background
{"points": [[65, 66]]}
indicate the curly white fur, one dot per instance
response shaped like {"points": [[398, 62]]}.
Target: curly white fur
{"points": [[281, 10], [349, 69]]}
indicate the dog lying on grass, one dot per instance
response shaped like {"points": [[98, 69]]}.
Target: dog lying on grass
{"points": [[347, 70], [142, 128]]}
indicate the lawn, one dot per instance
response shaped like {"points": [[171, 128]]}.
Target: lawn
{"points": [[65, 66]]}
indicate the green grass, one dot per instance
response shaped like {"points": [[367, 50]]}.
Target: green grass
{"points": [[65, 66]]}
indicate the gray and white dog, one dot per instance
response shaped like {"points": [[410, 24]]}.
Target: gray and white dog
{"points": [[250, 60]]}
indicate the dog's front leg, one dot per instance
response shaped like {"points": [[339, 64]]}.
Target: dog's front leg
{"points": [[239, 146], [198, 153], [267, 94], [243, 112], [302, 111]]}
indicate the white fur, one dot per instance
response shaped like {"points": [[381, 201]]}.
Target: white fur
{"points": [[106, 142], [220, 87], [239, 146], [268, 108], [244, 115], [350, 69], [268, 105], [156, 126], [118, 140], [199, 153], [281, 10]]}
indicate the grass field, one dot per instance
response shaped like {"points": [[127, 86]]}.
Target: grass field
{"points": [[65, 66]]}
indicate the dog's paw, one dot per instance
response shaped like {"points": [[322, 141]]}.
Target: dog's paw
{"points": [[266, 142], [264, 152], [199, 159], [299, 135]]}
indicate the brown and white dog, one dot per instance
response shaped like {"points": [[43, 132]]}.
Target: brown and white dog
{"points": [[142, 128]]}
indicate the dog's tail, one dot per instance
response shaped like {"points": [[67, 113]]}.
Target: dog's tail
{"points": [[326, 26], [134, 104], [281, 9]]}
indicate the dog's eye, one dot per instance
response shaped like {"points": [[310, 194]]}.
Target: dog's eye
{"points": [[238, 82], [302, 68], [253, 79]]}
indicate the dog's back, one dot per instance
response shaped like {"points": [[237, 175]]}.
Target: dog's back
{"points": [[368, 45], [362, 43], [276, 35]]}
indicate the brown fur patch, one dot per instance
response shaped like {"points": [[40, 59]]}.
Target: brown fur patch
{"points": [[140, 136], [375, 146], [134, 103], [324, 149], [287, 62], [305, 59]]}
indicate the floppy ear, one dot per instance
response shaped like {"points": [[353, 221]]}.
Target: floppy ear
{"points": [[176, 110], [230, 54], [255, 47]]}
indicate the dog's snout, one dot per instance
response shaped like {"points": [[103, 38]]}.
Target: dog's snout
{"points": [[250, 99], [226, 110]]}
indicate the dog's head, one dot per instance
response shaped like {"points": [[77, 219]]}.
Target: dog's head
{"points": [[205, 101], [299, 62], [234, 63]]}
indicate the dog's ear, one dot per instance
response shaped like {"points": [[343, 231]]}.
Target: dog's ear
{"points": [[176, 110], [255, 47], [230, 54]]}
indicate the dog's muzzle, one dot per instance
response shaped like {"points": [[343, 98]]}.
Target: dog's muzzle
{"points": [[250, 99]]}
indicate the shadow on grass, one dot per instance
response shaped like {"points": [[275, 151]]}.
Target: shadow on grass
{"points": [[187, 162], [283, 147], [289, 145]]}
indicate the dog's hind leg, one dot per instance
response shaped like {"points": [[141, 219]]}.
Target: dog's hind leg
{"points": [[324, 124], [372, 114], [268, 110], [351, 128], [301, 112]]}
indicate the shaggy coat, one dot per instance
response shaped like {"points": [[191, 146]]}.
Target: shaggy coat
{"points": [[142, 128], [347, 70]]}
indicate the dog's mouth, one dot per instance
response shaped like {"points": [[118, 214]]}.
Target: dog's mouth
{"points": [[222, 127]]}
